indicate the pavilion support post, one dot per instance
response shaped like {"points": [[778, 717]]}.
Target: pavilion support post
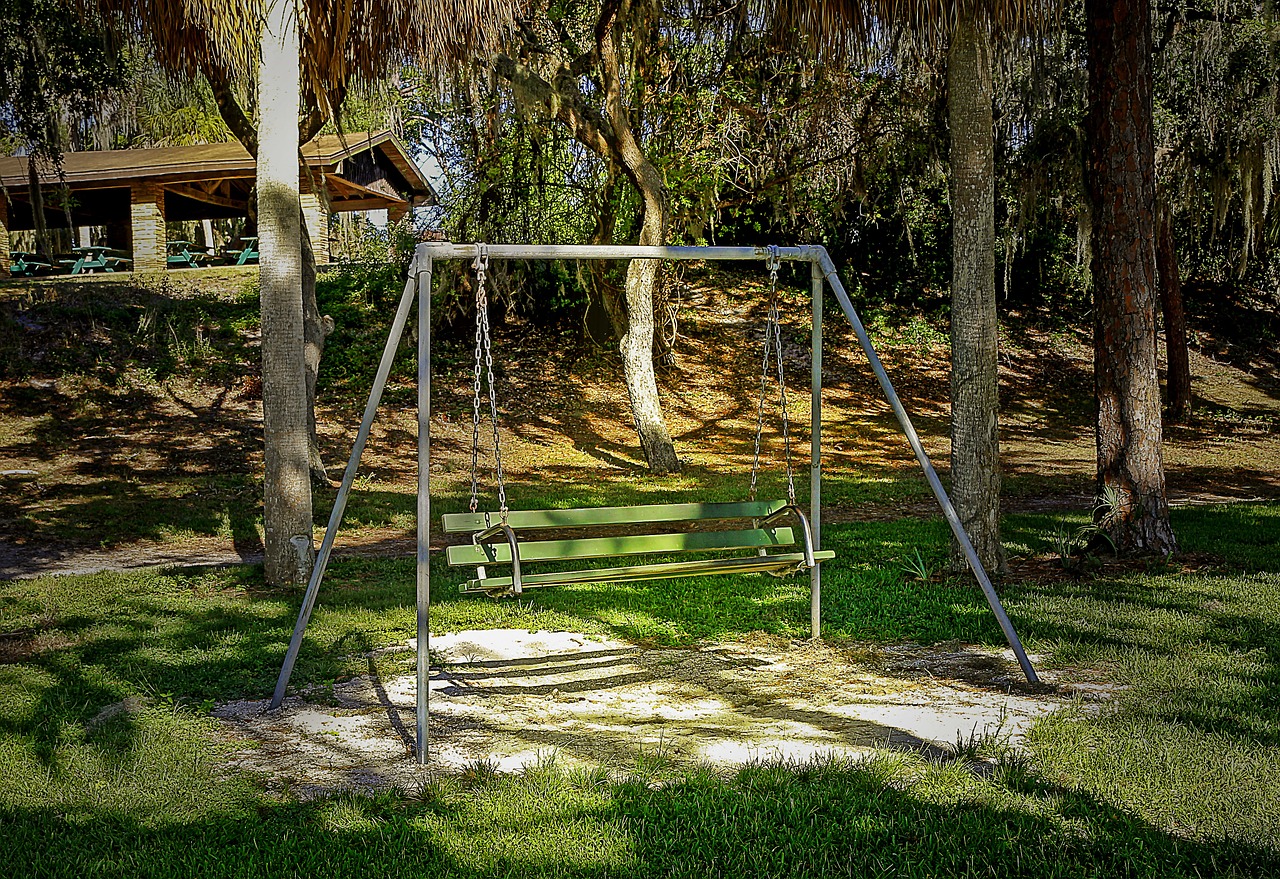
{"points": [[397, 213], [150, 239], [315, 214], [4, 236]]}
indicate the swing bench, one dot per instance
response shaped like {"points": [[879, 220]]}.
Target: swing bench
{"points": [[750, 528], [765, 537]]}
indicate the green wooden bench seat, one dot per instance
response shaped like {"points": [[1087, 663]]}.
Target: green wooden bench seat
{"points": [[498, 543]]}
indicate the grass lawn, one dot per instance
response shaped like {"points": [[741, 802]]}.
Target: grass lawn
{"points": [[1176, 776]]}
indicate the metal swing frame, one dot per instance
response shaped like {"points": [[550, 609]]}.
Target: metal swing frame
{"points": [[822, 272]]}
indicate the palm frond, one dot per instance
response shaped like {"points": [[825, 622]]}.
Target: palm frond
{"points": [[837, 28], [342, 40]]}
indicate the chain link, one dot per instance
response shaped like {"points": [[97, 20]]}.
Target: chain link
{"points": [[772, 344], [484, 365]]}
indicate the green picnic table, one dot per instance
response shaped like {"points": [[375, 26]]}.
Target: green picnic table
{"points": [[184, 255], [26, 264], [91, 259], [247, 256]]}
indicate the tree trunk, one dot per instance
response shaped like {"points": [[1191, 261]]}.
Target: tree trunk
{"points": [[975, 442], [36, 193], [636, 343], [1178, 381], [1120, 178], [287, 485], [315, 329], [609, 136]]}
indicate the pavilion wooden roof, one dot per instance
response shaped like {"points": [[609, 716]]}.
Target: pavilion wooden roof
{"points": [[101, 169]]}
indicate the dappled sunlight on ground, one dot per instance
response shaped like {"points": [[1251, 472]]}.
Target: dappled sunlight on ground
{"points": [[513, 697], [130, 466]]}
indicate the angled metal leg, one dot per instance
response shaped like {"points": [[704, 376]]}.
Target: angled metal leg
{"points": [[340, 503], [957, 528]]}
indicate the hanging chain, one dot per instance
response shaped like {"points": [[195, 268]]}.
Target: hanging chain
{"points": [[764, 369], [782, 399], [772, 343], [484, 361], [481, 306]]}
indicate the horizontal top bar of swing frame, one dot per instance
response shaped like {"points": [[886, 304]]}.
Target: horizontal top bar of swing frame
{"points": [[448, 250]]}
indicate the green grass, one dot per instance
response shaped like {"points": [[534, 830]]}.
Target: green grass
{"points": [[892, 816], [1175, 777]]}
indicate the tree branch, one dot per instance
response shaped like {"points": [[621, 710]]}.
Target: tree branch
{"points": [[562, 100], [229, 108]]}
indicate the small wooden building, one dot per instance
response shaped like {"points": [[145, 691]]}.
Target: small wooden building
{"points": [[133, 193]]}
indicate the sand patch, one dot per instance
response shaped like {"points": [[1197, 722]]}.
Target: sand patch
{"points": [[512, 697]]}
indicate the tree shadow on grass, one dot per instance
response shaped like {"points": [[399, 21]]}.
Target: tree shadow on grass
{"points": [[767, 821], [779, 824], [1195, 642]]}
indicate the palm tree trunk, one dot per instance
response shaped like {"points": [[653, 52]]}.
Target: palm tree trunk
{"points": [[1120, 178], [287, 484], [975, 443]]}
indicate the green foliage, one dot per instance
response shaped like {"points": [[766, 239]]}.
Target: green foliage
{"points": [[362, 300], [56, 61], [1220, 129], [166, 111]]}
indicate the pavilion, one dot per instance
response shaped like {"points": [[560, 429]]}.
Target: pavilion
{"points": [[133, 193]]}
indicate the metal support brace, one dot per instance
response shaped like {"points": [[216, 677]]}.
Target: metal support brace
{"points": [[940, 493], [340, 502]]}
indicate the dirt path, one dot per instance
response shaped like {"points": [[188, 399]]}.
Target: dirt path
{"points": [[505, 699]]}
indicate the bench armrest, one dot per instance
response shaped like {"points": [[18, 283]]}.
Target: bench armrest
{"points": [[806, 532], [504, 529]]}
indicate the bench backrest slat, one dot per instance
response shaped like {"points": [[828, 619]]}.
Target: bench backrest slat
{"points": [[499, 552], [521, 520]]}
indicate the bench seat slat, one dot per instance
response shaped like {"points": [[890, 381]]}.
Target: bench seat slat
{"points": [[594, 516], [640, 573], [499, 552]]}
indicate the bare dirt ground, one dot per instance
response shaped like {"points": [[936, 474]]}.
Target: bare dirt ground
{"points": [[73, 450], [504, 699]]}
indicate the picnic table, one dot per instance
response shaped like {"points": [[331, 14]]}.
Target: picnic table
{"points": [[247, 256], [26, 264], [94, 258], [185, 255]]}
